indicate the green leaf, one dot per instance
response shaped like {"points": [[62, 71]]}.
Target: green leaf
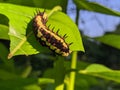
{"points": [[19, 84], [5, 75], [58, 73], [7, 64], [84, 82], [48, 82], [17, 27], [4, 32], [110, 39], [95, 7], [22, 44], [102, 72]]}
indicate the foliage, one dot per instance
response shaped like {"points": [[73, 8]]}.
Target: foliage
{"points": [[45, 71], [22, 40]]}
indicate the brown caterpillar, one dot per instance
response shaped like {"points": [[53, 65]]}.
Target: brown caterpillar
{"points": [[49, 38]]}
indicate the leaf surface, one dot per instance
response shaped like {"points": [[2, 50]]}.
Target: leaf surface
{"points": [[21, 32], [102, 72]]}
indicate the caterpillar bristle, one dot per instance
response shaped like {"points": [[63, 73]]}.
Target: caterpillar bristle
{"points": [[65, 36], [53, 28], [49, 25], [57, 31], [70, 43]]}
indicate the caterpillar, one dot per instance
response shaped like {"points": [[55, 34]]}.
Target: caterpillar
{"points": [[47, 37]]}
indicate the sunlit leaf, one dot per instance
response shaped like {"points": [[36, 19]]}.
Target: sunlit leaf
{"points": [[110, 39], [102, 72], [21, 25]]}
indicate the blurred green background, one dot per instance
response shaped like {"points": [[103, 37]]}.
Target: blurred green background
{"points": [[98, 68]]}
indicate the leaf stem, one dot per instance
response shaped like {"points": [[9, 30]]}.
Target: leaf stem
{"points": [[17, 47], [56, 8], [73, 73]]}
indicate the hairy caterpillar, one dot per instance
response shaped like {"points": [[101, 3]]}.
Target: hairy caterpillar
{"points": [[47, 37]]}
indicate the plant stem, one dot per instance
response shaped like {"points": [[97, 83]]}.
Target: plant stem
{"points": [[73, 73], [56, 8], [74, 61]]}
